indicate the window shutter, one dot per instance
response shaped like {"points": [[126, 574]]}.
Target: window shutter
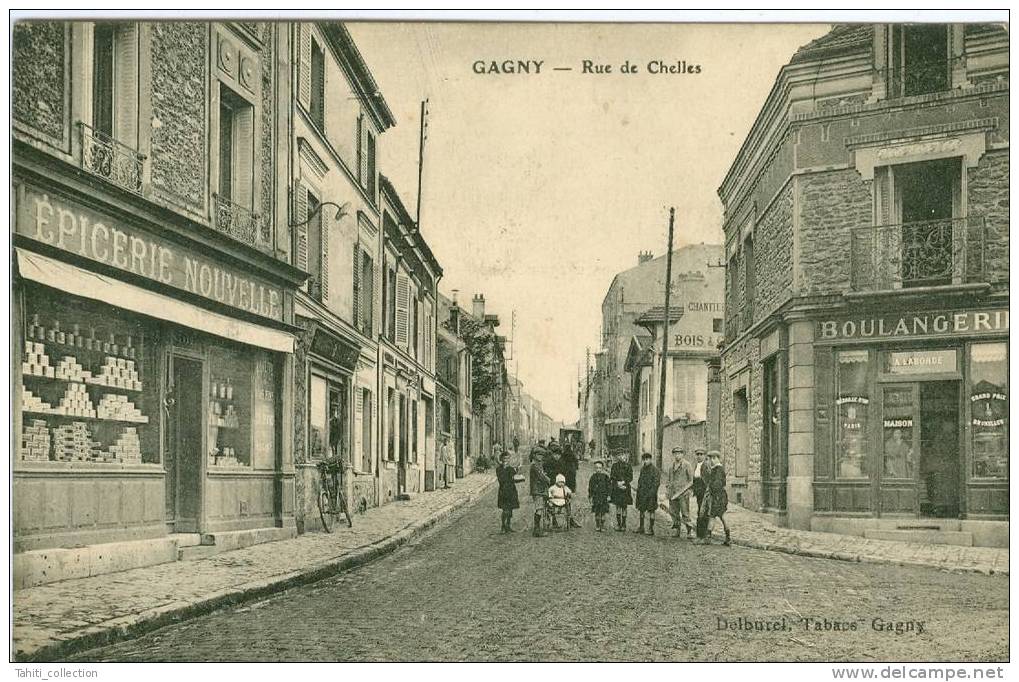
{"points": [[301, 232], [324, 222], [358, 426], [402, 299], [367, 295], [243, 161], [376, 300], [359, 146], [370, 153], [125, 84], [357, 288], [304, 60]]}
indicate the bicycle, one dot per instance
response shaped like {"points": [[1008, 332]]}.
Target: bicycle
{"points": [[331, 501]]}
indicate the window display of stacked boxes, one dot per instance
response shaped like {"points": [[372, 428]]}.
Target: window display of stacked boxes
{"points": [[83, 398]]}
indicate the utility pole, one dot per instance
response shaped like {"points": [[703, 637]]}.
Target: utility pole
{"points": [[660, 430], [421, 156]]}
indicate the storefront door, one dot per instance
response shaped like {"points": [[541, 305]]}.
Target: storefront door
{"points": [[184, 449], [940, 459], [920, 449]]}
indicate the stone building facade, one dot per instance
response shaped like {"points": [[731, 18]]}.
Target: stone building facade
{"points": [[154, 293], [866, 287]]}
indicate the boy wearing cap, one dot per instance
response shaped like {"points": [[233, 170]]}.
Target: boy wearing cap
{"points": [[716, 498], [679, 486]]}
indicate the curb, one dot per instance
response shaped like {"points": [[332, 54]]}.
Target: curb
{"points": [[135, 625], [838, 555]]}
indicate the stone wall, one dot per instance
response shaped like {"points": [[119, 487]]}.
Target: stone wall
{"points": [[773, 254], [179, 118], [830, 204], [267, 34], [988, 197], [742, 361], [39, 63]]}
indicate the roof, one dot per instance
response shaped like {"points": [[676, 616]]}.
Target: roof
{"points": [[637, 354], [371, 95], [842, 39], [657, 314], [414, 235]]}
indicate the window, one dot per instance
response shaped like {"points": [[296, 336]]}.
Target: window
{"points": [[414, 431], [773, 468], [319, 418], [315, 246], [740, 412], [988, 400], [750, 281], [898, 409], [389, 290], [918, 59], [853, 407], [390, 424], [403, 428], [445, 416], [367, 307], [236, 148], [102, 78], [415, 330], [366, 157], [366, 430], [318, 85], [717, 325], [924, 201]]}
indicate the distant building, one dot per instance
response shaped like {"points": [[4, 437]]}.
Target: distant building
{"points": [[697, 290]]}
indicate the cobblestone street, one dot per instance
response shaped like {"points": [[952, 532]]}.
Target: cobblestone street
{"points": [[465, 592]]}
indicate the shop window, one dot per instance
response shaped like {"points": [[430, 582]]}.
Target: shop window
{"points": [[339, 431], [366, 430], [853, 404], [89, 385], [919, 59], [318, 410], [230, 406], [898, 428], [989, 409]]}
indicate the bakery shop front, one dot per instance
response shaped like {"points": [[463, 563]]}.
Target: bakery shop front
{"points": [[149, 378], [912, 415]]}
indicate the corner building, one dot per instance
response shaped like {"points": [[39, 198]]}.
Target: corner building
{"points": [[864, 372]]}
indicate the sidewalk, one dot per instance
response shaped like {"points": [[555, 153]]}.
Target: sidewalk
{"points": [[750, 529], [52, 621]]}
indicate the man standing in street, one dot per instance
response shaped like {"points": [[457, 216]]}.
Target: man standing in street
{"points": [[679, 487], [539, 485], [647, 493], [700, 486], [621, 475], [446, 460]]}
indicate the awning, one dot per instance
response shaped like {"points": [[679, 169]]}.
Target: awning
{"points": [[80, 282]]}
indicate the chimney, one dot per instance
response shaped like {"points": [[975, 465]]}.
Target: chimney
{"points": [[479, 306], [644, 257]]}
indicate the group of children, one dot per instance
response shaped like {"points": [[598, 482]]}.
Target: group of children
{"points": [[553, 499]]}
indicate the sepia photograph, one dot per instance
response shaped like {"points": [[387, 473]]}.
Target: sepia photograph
{"points": [[516, 336]]}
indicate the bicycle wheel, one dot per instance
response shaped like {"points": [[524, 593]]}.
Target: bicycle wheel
{"points": [[325, 511], [345, 509]]}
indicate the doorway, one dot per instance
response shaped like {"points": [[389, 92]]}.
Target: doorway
{"points": [[184, 449], [939, 449]]}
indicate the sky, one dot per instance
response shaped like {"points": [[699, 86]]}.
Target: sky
{"points": [[539, 187]]}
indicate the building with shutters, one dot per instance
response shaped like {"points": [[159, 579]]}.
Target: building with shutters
{"points": [[407, 389], [453, 371], [153, 301], [864, 384], [336, 210]]}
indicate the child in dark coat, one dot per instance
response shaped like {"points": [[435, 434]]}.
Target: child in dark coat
{"points": [[647, 493], [621, 476], [508, 499], [599, 487]]}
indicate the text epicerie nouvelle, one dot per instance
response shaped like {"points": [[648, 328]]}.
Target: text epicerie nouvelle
{"points": [[812, 624], [528, 67]]}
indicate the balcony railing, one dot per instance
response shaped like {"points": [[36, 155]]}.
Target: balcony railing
{"points": [[927, 253], [111, 160], [241, 223]]}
